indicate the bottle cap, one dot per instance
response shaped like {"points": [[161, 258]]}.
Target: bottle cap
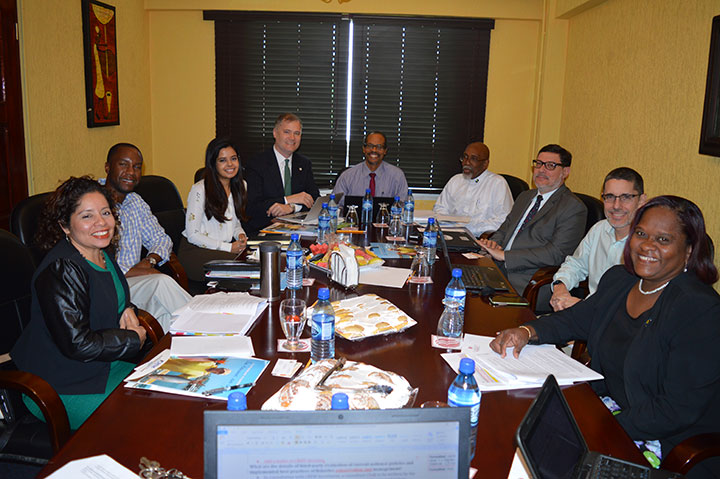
{"points": [[397, 198], [409, 192], [457, 273], [467, 366], [237, 401], [294, 237], [332, 196], [324, 205], [431, 221], [339, 401], [367, 190], [324, 293]]}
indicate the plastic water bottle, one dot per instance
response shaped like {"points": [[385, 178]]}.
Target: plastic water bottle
{"points": [[367, 209], [237, 401], [455, 291], [464, 392], [397, 207], [294, 263], [430, 239], [323, 224], [322, 343], [339, 402], [408, 215], [333, 210]]}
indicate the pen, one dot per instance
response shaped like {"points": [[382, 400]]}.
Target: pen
{"points": [[210, 392]]}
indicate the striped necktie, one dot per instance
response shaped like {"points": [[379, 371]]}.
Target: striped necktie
{"points": [[288, 178], [372, 184], [531, 213]]}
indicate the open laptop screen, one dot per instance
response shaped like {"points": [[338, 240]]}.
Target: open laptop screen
{"points": [[407, 443]]}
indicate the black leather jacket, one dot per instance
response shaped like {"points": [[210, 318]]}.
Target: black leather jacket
{"points": [[74, 333]]}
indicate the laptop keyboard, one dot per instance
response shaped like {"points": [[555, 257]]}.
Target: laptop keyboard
{"points": [[608, 468], [477, 277]]}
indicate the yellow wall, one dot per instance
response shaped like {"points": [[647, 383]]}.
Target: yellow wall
{"points": [[183, 91], [59, 144], [634, 91]]}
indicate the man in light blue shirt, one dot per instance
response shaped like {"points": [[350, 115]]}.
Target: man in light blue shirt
{"points": [[602, 247], [383, 179]]}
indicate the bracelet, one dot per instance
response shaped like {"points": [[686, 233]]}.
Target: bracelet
{"points": [[528, 330]]}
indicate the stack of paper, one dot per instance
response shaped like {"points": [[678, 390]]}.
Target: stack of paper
{"points": [[535, 363], [219, 313]]}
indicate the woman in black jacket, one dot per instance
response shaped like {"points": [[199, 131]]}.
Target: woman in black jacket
{"points": [[83, 328], [652, 329]]}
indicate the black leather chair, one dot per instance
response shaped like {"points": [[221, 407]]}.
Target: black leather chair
{"points": [[24, 221], [516, 185], [199, 174], [166, 204], [595, 210], [24, 438]]}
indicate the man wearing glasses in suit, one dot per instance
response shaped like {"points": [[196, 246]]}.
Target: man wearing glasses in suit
{"points": [[545, 224]]}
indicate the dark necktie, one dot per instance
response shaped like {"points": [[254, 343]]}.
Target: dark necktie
{"points": [[531, 213], [372, 184], [288, 178]]}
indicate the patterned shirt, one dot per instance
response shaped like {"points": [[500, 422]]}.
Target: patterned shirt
{"points": [[138, 228]]}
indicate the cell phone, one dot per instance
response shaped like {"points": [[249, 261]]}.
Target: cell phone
{"points": [[508, 300]]}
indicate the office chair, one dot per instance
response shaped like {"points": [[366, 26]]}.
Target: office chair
{"points": [[24, 438], [24, 220], [166, 204], [516, 185], [199, 174]]}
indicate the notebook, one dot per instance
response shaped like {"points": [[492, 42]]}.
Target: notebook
{"points": [[310, 217], [552, 446], [485, 280], [390, 443]]}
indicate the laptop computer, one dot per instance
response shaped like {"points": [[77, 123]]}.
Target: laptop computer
{"points": [[390, 443], [460, 240], [310, 217], [552, 446], [357, 201], [485, 280]]}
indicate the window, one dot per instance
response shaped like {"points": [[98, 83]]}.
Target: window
{"points": [[421, 81]]}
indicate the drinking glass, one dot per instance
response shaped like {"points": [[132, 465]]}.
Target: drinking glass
{"points": [[352, 217], [383, 216], [292, 320], [420, 267], [395, 229]]}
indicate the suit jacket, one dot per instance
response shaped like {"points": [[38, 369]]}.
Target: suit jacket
{"points": [[552, 234], [671, 372], [265, 185], [74, 330]]}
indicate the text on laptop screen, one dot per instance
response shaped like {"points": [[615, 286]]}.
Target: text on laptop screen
{"points": [[553, 443], [388, 450]]}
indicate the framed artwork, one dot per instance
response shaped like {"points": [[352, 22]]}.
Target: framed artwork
{"points": [[710, 132], [101, 76]]}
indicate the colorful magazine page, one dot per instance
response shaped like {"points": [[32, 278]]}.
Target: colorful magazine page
{"points": [[195, 375]]}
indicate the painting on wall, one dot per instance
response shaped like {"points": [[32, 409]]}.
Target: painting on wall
{"points": [[101, 76], [710, 132]]}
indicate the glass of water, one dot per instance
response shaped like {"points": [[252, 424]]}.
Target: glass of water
{"points": [[292, 320]]}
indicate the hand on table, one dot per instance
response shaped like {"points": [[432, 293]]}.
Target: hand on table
{"points": [[512, 338], [494, 249], [279, 209], [301, 198]]}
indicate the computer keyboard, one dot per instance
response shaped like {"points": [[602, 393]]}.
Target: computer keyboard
{"points": [[608, 468], [478, 278]]}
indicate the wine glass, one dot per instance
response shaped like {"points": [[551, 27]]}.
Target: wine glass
{"points": [[383, 216], [420, 267], [292, 320], [395, 229], [352, 217]]}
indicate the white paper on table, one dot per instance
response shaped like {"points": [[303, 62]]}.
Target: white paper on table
{"points": [[236, 346], [95, 467], [150, 366], [423, 215], [223, 302], [385, 276], [517, 468], [213, 323], [535, 363]]}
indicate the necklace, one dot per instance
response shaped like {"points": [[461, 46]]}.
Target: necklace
{"points": [[659, 288]]}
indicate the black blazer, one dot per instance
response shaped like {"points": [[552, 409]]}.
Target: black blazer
{"points": [[552, 234], [671, 372], [265, 186], [74, 333]]}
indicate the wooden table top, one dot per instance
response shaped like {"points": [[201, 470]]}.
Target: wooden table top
{"points": [[169, 428]]}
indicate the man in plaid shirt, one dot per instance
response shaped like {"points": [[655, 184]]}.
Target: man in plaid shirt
{"points": [[150, 289]]}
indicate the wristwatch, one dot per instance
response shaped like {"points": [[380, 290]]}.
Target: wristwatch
{"points": [[555, 283], [151, 260]]}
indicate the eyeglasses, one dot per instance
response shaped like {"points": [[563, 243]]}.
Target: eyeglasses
{"points": [[549, 165], [624, 198], [473, 159], [370, 146]]}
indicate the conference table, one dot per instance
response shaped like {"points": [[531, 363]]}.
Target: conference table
{"points": [[168, 428]]}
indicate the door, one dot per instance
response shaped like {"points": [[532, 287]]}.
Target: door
{"points": [[13, 170]]}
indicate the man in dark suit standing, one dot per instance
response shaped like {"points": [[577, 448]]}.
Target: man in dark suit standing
{"points": [[280, 181], [545, 224]]}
